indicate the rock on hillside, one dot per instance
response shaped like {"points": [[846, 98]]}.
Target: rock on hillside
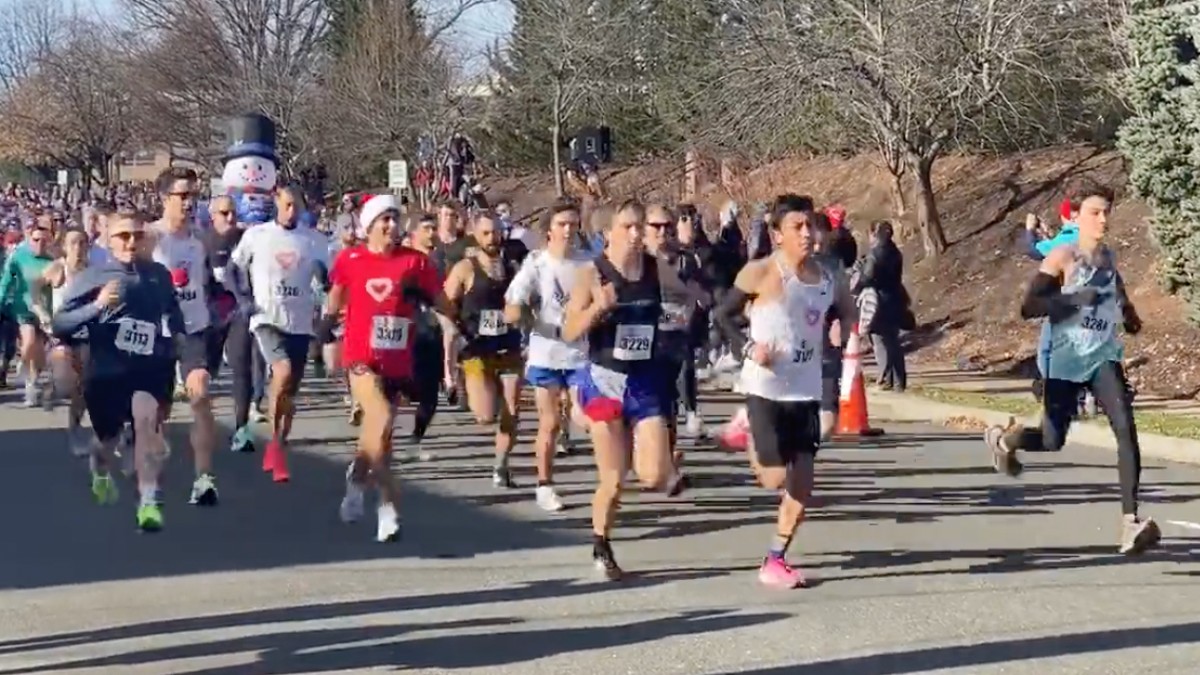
{"points": [[966, 300]]}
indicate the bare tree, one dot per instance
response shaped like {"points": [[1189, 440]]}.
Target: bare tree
{"points": [[215, 58], [566, 53], [390, 83], [918, 73], [73, 108], [30, 31]]}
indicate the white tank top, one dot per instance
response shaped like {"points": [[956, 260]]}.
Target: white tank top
{"points": [[57, 294], [551, 280], [187, 254], [793, 325]]}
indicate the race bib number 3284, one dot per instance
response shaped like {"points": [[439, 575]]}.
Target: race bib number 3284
{"points": [[633, 342], [136, 337], [491, 323]]}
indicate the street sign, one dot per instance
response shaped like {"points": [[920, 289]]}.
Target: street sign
{"points": [[397, 175]]}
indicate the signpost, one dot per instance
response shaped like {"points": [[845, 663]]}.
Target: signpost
{"points": [[397, 175]]}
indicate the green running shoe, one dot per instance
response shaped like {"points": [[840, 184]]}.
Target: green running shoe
{"points": [[104, 488], [149, 517]]}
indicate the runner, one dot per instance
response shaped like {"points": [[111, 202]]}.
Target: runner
{"points": [[552, 363], [790, 294], [27, 300], [616, 304], [280, 260], [183, 254], [68, 356], [378, 285], [681, 297], [1081, 294], [232, 327], [428, 349], [130, 311], [491, 355]]}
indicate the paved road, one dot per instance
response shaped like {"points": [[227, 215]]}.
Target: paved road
{"points": [[926, 562]]}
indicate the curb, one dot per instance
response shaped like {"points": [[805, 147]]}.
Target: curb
{"points": [[914, 408]]}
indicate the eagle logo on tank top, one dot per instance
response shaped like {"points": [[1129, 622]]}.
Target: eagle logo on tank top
{"points": [[379, 289], [812, 315]]}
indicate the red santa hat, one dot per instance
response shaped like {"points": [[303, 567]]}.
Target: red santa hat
{"points": [[373, 207]]}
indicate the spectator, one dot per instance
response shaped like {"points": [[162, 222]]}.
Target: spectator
{"points": [[841, 243], [879, 282]]}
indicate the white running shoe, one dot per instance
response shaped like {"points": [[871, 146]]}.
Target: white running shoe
{"points": [[389, 523], [547, 499], [352, 507]]}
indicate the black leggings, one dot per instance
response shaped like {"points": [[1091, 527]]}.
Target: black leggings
{"points": [[239, 346], [1060, 402], [427, 371], [9, 337], [686, 384]]}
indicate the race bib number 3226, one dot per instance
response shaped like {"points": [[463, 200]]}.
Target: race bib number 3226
{"points": [[136, 337], [633, 342]]}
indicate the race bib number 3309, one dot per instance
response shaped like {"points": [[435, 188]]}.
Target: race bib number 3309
{"points": [[390, 332]]}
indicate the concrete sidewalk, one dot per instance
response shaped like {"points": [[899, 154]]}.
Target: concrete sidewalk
{"points": [[973, 399]]}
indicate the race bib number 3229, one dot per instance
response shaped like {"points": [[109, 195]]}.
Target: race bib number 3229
{"points": [[633, 342]]}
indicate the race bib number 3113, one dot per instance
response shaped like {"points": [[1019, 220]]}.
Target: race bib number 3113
{"points": [[633, 343], [136, 337]]}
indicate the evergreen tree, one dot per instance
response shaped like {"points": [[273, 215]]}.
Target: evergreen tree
{"points": [[1161, 139]]}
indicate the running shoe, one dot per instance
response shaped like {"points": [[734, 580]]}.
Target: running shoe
{"points": [[1004, 459], [502, 477], [547, 499], [776, 573], [242, 440], [104, 488], [388, 528], [204, 491], [149, 515], [352, 508], [1138, 535], [604, 561]]}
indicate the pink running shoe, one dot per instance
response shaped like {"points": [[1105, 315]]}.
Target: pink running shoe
{"points": [[735, 435], [776, 573]]}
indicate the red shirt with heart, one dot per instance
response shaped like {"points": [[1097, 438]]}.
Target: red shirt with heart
{"points": [[380, 324]]}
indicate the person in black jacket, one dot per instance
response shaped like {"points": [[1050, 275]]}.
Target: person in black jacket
{"points": [[840, 243], [882, 273]]}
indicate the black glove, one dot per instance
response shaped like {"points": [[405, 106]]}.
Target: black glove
{"points": [[1133, 322], [325, 329], [415, 295]]}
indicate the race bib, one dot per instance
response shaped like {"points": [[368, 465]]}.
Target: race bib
{"points": [[390, 332], [610, 383], [219, 274], [633, 342], [136, 337], [674, 317], [804, 353], [491, 323]]}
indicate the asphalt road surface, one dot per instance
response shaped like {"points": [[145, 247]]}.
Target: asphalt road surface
{"points": [[922, 560]]}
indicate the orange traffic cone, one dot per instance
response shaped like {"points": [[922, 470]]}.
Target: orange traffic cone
{"points": [[852, 410]]}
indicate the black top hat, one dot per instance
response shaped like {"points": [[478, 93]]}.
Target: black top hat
{"points": [[251, 135]]}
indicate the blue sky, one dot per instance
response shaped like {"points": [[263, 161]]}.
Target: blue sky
{"points": [[478, 28]]}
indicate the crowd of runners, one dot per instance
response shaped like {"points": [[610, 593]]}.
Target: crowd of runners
{"points": [[406, 308]]}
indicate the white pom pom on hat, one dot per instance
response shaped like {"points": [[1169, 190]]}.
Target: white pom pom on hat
{"points": [[373, 207]]}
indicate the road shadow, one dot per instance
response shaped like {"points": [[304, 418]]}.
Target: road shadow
{"points": [[258, 525], [1015, 651], [403, 646]]}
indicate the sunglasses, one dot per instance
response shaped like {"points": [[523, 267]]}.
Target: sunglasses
{"points": [[225, 214], [660, 225], [127, 236]]}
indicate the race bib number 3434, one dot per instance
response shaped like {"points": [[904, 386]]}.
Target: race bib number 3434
{"points": [[633, 343], [390, 332], [136, 337]]}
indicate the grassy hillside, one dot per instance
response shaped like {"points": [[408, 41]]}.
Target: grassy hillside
{"points": [[967, 299]]}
